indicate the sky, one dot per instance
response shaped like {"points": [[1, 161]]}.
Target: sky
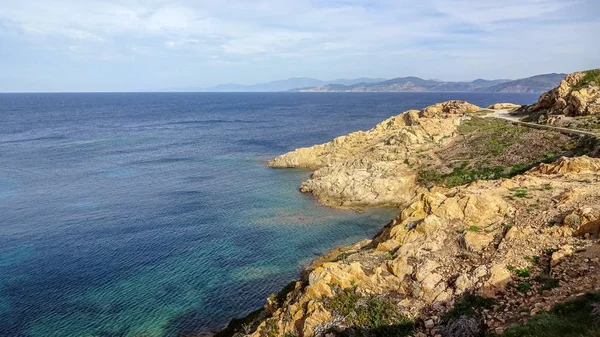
{"points": [[153, 45]]}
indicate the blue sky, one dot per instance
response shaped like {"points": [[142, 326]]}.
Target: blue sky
{"points": [[137, 45]]}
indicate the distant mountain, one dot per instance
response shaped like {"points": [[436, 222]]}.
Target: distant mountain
{"points": [[404, 84], [533, 84], [287, 84], [481, 83]]}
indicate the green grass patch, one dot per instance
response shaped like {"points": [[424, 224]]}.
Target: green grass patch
{"points": [[462, 175], [523, 287], [591, 77], [369, 312], [473, 229], [571, 319], [522, 272]]}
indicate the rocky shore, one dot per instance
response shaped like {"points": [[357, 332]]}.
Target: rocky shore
{"points": [[497, 224]]}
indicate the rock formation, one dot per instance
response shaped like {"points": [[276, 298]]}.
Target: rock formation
{"points": [[499, 106], [469, 239], [372, 168], [575, 96], [526, 242]]}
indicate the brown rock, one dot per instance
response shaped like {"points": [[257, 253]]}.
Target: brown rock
{"points": [[477, 241]]}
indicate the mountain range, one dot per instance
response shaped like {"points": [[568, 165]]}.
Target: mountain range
{"points": [[286, 85], [533, 84]]}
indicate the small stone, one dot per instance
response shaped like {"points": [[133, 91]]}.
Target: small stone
{"points": [[499, 330], [429, 324]]}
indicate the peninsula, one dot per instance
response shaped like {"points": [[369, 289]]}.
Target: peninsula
{"points": [[497, 231]]}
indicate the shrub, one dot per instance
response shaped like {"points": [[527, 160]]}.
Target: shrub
{"points": [[522, 272], [523, 287], [464, 326], [570, 319], [365, 312]]}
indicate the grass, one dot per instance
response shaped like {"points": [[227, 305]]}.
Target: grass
{"points": [[370, 313], [522, 272], [462, 175], [523, 287], [591, 77], [473, 229], [571, 319], [491, 149], [520, 193]]}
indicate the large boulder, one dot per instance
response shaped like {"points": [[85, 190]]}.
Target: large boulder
{"points": [[577, 95], [453, 107]]}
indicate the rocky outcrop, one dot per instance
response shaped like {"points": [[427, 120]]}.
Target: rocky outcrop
{"points": [[501, 106], [478, 238], [374, 167], [577, 95], [565, 165]]}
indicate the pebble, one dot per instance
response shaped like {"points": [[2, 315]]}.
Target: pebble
{"points": [[429, 324]]}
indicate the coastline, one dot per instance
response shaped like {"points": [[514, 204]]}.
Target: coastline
{"points": [[471, 226]]}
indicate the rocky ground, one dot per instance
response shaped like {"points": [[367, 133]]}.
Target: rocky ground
{"points": [[575, 103], [498, 223]]}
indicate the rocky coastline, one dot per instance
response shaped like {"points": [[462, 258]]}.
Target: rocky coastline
{"points": [[497, 224]]}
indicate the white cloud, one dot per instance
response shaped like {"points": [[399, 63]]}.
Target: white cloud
{"points": [[435, 38]]}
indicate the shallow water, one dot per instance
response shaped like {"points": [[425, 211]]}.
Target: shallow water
{"points": [[154, 214]]}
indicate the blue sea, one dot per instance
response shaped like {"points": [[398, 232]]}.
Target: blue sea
{"points": [[153, 214]]}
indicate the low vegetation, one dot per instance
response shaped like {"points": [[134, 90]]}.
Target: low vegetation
{"points": [[375, 314], [591, 77], [490, 149], [577, 318]]}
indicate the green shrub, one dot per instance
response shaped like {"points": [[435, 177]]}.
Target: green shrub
{"points": [[570, 319], [523, 287], [591, 77], [366, 312], [522, 272]]}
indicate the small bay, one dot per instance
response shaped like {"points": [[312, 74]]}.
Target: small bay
{"points": [[153, 214]]}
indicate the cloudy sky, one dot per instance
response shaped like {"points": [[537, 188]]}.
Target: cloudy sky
{"points": [[134, 45]]}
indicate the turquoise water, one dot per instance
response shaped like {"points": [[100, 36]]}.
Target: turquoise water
{"points": [[154, 214]]}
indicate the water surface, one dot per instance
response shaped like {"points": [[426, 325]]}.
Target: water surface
{"points": [[154, 214]]}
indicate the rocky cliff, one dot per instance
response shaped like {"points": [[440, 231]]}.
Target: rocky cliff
{"points": [[526, 243], [575, 103], [371, 168], [497, 223]]}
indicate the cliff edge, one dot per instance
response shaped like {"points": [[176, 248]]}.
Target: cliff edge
{"points": [[498, 225]]}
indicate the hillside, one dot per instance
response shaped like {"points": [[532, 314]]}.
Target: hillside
{"points": [[574, 103], [287, 84], [534, 84], [497, 232]]}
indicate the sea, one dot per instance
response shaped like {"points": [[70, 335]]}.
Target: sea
{"points": [[154, 214]]}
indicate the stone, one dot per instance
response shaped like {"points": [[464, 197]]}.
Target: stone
{"points": [[477, 241], [559, 255], [566, 165], [502, 106], [429, 324]]}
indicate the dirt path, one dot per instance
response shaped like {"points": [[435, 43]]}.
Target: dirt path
{"points": [[505, 115]]}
